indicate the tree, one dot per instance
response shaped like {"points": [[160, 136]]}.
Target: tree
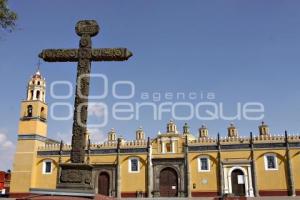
{"points": [[7, 17]]}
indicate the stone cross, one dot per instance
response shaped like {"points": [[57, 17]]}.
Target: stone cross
{"points": [[84, 55]]}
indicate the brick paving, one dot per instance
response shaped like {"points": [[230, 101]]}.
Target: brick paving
{"points": [[44, 197], [99, 197]]}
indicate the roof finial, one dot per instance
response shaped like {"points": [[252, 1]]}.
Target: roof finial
{"points": [[38, 67]]}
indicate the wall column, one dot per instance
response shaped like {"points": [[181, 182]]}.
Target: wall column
{"points": [[150, 169], [292, 190], [59, 161], [118, 170], [253, 167], [221, 175], [254, 178], [187, 166]]}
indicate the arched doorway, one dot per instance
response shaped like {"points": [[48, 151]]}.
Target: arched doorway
{"points": [[103, 184], [168, 183], [238, 182]]}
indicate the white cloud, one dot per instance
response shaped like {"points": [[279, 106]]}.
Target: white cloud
{"points": [[96, 135], [5, 143], [7, 149], [65, 137], [2, 138], [96, 109], [8, 144]]}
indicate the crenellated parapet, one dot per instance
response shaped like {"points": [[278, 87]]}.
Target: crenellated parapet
{"points": [[269, 139], [204, 141], [244, 140], [264, 139], [235, 140], [104, 145], [54, 147], [134, 143], [294, 138], [95, 146], [276, 138], [123, 144]]}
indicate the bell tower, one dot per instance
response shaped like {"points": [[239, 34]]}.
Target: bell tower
{"points": [[171, 127], [112, 136], [140, 134], [203, 132], [33, 116], [263, 129], [32, 133], [232, 131], [186, 129]]}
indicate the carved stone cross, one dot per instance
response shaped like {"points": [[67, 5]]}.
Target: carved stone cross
{"points": [[84, 56]]}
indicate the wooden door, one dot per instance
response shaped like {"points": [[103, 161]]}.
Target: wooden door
{"points": [[238, 183], [168, 183], [103, 184]]}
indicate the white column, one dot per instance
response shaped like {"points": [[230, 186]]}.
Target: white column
{"points": [[34, 95], [163, 144], [226, 181], [41, 96], [251, 194], [229, 181], [246, 184], [173, 146], [28, 94], [44, 96]]}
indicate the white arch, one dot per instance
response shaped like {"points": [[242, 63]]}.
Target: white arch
{"points": [[237, 167], [245, 178]]}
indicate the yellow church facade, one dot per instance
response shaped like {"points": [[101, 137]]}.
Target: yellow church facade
{"points": [[173, 164]]}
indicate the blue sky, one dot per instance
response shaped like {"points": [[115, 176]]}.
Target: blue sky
{"points": [[241, 51]]}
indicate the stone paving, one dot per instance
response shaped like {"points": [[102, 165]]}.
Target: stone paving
{"points": [[43, 197], [100, 197]]}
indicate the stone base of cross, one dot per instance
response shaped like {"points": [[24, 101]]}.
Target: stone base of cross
{"points": [[75, 176]]}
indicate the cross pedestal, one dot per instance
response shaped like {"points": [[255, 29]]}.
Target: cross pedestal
{"points": [[75, 176]]}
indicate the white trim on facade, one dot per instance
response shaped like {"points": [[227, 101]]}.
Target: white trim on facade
{"points": [[228, 169], [44, 166], [129, 165], [199, 164], [245, 179], [266, 162], [171, 141]]}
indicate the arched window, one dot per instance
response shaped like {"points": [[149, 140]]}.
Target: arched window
{"points": [[31, 94], [38, 94], [168, 147], [39, 83], [29, 111], [43, 113]]}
